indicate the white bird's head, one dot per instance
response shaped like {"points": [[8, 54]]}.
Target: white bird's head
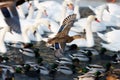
{"points": [[69, 4], [46, 23], [92, 18]]}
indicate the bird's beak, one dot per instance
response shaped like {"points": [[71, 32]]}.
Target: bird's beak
{"points": [[97, 20], [30, 4], [45, 13]]}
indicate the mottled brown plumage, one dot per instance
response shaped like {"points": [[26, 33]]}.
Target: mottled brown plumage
{"points": [[66, 39], [62, 37], [6, 3], [113, 74], [6, 0]]}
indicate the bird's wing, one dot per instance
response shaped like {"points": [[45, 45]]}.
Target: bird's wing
{"points": [[69, 19], [63, 31], [66, 21], [66, 25], [16, 21], [11, 17]]}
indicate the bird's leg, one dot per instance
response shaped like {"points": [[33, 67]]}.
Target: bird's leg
{"points": [[58, 53]]}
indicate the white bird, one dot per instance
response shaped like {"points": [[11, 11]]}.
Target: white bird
{"points": [[112, 39], [23, 37], [23, 9], [27, 29], [70, 7], [43, 24], [15, 37], [89, 41], [36, 14], [107, 13], [10, 21], [2, 34], [63, 10], [42, 13], [114, 9], [112, 46], [49, 6], [46, 9], [80, 24]]}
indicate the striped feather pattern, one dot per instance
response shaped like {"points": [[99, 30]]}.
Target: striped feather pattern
{"points": [[69, 19], [64, 29]]}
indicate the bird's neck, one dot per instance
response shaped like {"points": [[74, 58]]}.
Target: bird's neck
{"points": [[30, 13], [76, 11], [20, 12], [40, 21], [39, 14], [38, 37], [36, 2], [89, 34], [2, 36], [25, 36]]}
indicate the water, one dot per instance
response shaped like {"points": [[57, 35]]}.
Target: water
{"points": [[48, 57]]}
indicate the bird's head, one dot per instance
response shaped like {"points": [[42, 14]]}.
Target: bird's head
{"points": [[46, 23]]}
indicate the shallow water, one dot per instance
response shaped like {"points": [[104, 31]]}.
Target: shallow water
{"points": [[48, 57]]}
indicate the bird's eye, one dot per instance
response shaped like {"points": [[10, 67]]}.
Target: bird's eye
{"points": [[95, 18]]}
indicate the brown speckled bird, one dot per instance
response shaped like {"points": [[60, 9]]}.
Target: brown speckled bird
{"points": [[113, 74], [62, 37]]}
